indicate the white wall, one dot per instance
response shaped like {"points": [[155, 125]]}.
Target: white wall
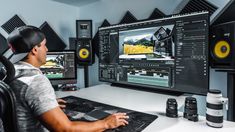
{"points": [[61, 17]]}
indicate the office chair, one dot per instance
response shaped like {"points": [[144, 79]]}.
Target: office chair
{"points": [[7, 98]]}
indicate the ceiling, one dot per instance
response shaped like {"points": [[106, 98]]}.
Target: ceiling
{"points": [[76, 2]]}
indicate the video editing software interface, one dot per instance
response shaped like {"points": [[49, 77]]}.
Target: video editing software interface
{"points": [[169, 53], [60, 67]]}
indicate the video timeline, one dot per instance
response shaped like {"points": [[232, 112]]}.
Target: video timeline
{"points": [[149, 77]]}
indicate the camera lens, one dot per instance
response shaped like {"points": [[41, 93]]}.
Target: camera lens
{"points": [[214, 108], [171, 108], [190, 109]]}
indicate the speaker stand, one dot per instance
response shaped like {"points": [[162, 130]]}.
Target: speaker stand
{"points": [[86, 76], [231, 98]]}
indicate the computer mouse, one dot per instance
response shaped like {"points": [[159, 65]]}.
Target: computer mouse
{"points": [[71, 88]]}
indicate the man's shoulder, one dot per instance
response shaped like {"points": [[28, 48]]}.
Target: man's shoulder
{"points": [[40, 78], [28, 79], [26, 73]]}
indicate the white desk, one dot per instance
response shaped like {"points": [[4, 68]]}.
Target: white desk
{"points": [[147, 102]]}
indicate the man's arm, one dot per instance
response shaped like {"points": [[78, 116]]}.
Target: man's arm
{"points": [[56, 120]]}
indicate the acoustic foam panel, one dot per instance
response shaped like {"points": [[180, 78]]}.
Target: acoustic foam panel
{"points": [[54, 42], [199, 5], [156, 14], [3, 44], [13, 23], [128, 18], [95, 40], [105, 23]]}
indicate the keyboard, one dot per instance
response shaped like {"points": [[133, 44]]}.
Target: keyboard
{"points": [[79, 109]]}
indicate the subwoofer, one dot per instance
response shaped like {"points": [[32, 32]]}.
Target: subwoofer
{"points": [[222, 49], [84, 52]]}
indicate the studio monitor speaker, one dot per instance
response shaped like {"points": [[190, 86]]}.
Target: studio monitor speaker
{"points": [[84, 29], [222, 49], [84, 52]]}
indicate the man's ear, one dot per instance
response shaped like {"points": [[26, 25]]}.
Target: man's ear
{"points": [[34, 51]]}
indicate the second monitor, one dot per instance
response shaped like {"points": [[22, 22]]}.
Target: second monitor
{"points": [[60, 67]]}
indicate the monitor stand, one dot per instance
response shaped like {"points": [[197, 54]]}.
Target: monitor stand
{"points": [[56, 88]]}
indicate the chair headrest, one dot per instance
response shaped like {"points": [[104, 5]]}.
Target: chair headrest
{"points": [[9, 68]]}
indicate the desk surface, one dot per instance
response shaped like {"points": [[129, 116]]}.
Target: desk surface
{"points": [[147, 102]]}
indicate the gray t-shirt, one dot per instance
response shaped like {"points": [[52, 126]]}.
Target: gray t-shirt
{"points": [[34, 96]]}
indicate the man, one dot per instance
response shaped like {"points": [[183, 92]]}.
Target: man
{"points": [[37, 108]]}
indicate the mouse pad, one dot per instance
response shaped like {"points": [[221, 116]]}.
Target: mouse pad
{"points": [[79, 109]]}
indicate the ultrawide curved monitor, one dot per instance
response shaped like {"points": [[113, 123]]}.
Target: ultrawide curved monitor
{"points": [[163, 54]]}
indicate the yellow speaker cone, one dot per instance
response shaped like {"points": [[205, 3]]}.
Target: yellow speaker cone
{"points": [[222, 49], [84, 53]]}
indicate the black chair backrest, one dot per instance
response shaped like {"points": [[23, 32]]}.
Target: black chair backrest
{"points": [[1, 126], [9, 67], [7, 98], [7, 108]]}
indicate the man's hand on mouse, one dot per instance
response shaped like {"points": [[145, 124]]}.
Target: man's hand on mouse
{"points": [[116, 120], [62, 103]]}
